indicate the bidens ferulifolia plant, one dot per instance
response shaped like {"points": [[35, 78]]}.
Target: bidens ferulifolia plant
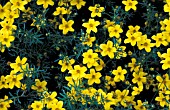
{"points": [[84, 54]]}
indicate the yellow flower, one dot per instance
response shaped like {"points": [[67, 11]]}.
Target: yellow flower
{"points": [[167, 23], [147, 45], [90, 58], [163, 100], [109, 23], [6, 39], [132, 29], [14, 80], [60, 11], [167, 7], [166, 35], [137, 91], [11, 16], [130, 4], [7, 102], [91, 25], [18, 4], [3, 105], [45, 3], [24, 87], [37, 105], [78, 3], [122, 96], [115, 31], [93, 77], [133, 38], [109, 100], [66, 64], [4, 11], [58, 106], [164, 81], [160, 39], [88, 40], [108, 49], [110, 81], [78, 72], [7, 27], [18, 64], [3, 82], [50, 99], [140, 105], [166, 55], [96, 10], [39, 86], [166, 63], [139, 78], [66, 26], [100, 66], [133, 65], [119, 74], [73, 82]]}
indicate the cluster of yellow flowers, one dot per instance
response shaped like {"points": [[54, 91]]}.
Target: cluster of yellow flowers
{"points": [[89, 73]]}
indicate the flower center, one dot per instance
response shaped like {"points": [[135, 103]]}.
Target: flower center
{"points": [[78, 71], [18, 4], [145, 44], [89, 56]]}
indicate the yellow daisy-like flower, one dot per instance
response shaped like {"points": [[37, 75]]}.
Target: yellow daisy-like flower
{"points": [[60, 11], [139, 78], [132, 29], [88, 40], [39, 86], [66, 64], [58, 106], [18, 4], [119, 74], [166, 63], [167, 6], [90, 58], [132, 39], [78, 3], [4, 11], [14, 80], [6, 39], [78, 72], [140, 105], [91, 25], [66, 26], [115, 31], [147, 45], [130, 4], [37, 105], [17, 66], [160, 39], [45, 3], [96, 10], [162, 99], [108, 49], [3, 82], [93, 77]]}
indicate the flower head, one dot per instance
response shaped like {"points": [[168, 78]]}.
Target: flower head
{"points": [[93, 77], [108, 49], [96, 10], [91, 25], [45, 3], [119, 74], [78, 3], [66, 26], [130, 4]]}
